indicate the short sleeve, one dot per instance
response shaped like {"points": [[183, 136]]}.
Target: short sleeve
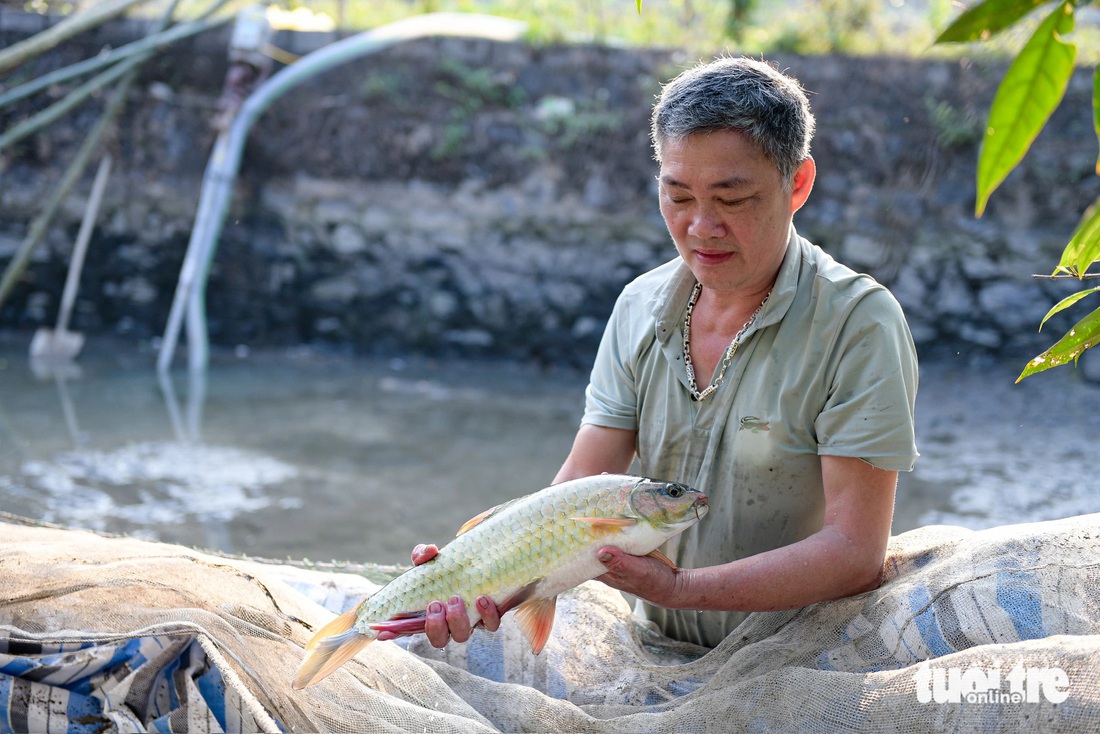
{"points": [[872, 387], [611, 399]]}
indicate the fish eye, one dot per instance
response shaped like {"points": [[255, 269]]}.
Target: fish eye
{"points": [[675, 491]]}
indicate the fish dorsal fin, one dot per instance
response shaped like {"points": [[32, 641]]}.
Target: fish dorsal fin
{"points": [[473, 521], [480, 517], [662, 558], [600, 526], [535, 618]]}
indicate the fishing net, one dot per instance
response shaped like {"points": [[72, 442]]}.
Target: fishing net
{"points": [[995, 630]]}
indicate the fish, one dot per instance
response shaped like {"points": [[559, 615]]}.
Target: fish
{"points": [[521, 554]]}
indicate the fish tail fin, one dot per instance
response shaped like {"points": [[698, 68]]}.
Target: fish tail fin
{"points": [[332, 646]]}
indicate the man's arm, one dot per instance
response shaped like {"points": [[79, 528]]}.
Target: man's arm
{"points": [[596, 450], [844, 558]]}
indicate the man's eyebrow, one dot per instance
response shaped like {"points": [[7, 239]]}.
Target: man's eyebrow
{"points": [[734, 182]]}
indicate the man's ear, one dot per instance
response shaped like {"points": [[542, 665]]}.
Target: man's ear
{"points": [[803, 183]]}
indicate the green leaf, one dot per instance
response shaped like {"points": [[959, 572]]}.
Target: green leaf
{"points": [[639, 7], [1066, 302], [1096, 109], [986, 20], [1032, 88], [1083, 248], [1085, 335]]}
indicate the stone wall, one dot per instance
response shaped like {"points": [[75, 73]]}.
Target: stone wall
{"points": [[467, 197]]}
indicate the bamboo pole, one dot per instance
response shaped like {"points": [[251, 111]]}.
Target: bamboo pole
{"points": [[73, 25], [151, 42], [80, 249], [221, 170], [41, 223], [77, 96], [70, 101]]}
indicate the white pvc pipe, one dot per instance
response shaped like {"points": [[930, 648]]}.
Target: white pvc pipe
{"points": [[221, 172]]}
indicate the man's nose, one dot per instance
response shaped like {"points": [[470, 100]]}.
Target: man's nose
{"points": [[706, 224]]}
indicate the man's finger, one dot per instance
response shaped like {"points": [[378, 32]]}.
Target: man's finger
{"points": [[457, 619], [613, 560], [490, 615], [435, 625], [424, 553]]}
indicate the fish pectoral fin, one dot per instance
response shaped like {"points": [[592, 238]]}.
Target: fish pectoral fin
{"points": [[333, 645], [662, 558], [517, 599], [606, 525], [535, 618]]}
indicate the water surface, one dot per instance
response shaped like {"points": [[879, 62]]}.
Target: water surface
{"points": [[295, 454], [303, 454]]}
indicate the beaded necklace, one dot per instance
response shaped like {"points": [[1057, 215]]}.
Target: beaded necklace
{"points": [[730, 350]]}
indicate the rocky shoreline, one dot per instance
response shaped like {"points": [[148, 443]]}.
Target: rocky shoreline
{"points": [[467, 198]]}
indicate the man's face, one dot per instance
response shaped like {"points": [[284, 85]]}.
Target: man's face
{"points": [[727, 209]]}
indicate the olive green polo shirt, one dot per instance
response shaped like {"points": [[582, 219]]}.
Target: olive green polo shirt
{"points": [[829, 368]]}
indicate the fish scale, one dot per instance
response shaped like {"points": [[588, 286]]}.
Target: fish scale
{"points": [[521, 554]]}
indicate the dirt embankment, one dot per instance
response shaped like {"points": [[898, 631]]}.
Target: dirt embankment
{"points": [[488, 198]]}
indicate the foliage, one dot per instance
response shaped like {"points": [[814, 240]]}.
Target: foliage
{"points": [[471, 90], [739, 18], [569, 122], [697, 27], [694, 26], [955, 128], [1032, 88]]}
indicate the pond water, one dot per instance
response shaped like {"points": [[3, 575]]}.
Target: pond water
{"points": [[304, 454]]}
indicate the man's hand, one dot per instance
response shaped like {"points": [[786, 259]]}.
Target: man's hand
{"points": [[641, 576], [446, 622]]}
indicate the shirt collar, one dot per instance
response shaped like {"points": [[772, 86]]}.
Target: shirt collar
{"points": [[786, 284]]}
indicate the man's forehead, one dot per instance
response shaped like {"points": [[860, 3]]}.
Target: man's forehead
{"points": [[719, 159]]}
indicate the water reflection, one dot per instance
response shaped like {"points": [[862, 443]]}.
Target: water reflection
{"points": [[189, 429]]}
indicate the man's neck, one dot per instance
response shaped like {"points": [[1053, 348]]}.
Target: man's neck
{"points": [[720, 313]]}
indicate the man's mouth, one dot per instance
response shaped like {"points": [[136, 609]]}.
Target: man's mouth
{"points": [[712, 257]]}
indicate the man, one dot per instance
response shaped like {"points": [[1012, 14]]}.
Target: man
{"points": [[753, 367]]}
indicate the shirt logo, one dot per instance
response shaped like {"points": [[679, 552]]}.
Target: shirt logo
{"points": [[754, 424]]}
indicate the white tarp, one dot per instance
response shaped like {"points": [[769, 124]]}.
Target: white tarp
{"points": [[994, 630]]}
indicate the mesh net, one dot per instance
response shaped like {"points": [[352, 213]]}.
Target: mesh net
{"points": [[994, 630]]}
